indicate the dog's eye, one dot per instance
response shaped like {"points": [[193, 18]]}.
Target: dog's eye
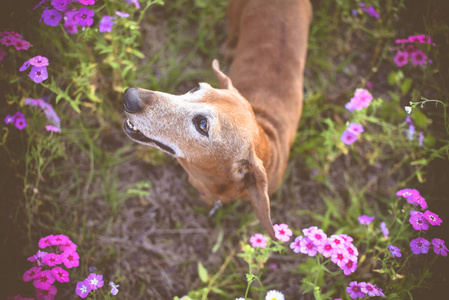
{"points": [[201, 125], [194, 89]]}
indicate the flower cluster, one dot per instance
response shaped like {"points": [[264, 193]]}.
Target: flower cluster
{"points": [[11, 38], [38, 71], [47, 269], [421, 221], [339, 247], [92, 282], [349, 136], [407, 51], [49, 112], [369, 10], [18, 119], [361, 289], [360, 100]]}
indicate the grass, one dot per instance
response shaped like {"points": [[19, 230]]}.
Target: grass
{"points": [[131, 210]]}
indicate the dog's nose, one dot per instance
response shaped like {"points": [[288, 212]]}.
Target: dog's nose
{"points": [[132, 101]]}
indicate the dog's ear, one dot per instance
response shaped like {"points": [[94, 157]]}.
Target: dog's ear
{"points": [[224, 82], [251, 173]]}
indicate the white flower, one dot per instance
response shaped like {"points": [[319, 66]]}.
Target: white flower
{"points": [[274, 295], [408, 109], [241, 298]]}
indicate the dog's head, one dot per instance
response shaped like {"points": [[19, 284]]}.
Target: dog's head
{"points": [[214, 135]]}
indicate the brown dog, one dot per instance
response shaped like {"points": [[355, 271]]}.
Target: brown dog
{"points": [[234, 141]]}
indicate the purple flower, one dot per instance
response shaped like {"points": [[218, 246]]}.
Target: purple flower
{"points": [[348, 137], [20, 123], [83, 288], [420, 138], [38, 61], [2, 54], [355, 128], [52, 128], [106, 24], [87, 2], [401, 58], [9, 119], [307, 246], [122, 14], [368, 288], [365, 220], [420, 245], [395, 251], [371, 11], [135, 2], [413, 197], [114, 289], [384, 229], [95, 281], [85, 16], [419, 222], [439, 247], [354, 290], [25, 66], [60, 5], [432, 218], [38, 74], [349, 106], [48, 110], [51, 17]]}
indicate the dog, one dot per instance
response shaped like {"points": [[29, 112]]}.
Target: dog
{"points": [[234, 141]]}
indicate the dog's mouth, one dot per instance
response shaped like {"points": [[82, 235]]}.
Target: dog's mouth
{"points": [[134, 133]]}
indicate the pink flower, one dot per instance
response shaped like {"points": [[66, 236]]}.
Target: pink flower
{"points": [[2, 54], [308, 231], [38, 61], [395, 251], [337, 242], [31, 274], [401, 58], [68, 246], [361, 99], [365, 220], [44, 280], [339, 258], [348, 137], [258, 240], [52, 259], [135, 2], [87, 2], [38, 74], [410, 49], [413, 197], [420, 245], [52, 128], [60, 274], [355, 128], [368, 289], [349, 106], [378, 291], [317, 236], [326, 248], [296, 244], [351, 251], [384, 229], [346, 238], [419, 58], [59, 239], [22, 44], [349, 267], [38, 258], [307, 246], [432, 218], [70, 259], [419, 222], [83, 289], [354, 290], [95, 281], [439, 247], [282, 232], [46, 241], [48, 294]]}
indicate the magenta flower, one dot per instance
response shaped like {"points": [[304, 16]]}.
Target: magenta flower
{"points": [[432, 218], [87, 2], [114, 289], [59, 239], [361, 99], [307, 246], [354, 290], [370, 10], [421, 38], [419, 58], [395, 251], [355, 128], [70, 259], [439, 247], [38, 74], [349, 267], [9, 119], [338, 257], [337, 242], [60, 274], [68, 246], [122, 14], [52, 259], [44, 280], [21, 44], [348, 137], [401, 58], [82, 288], [2, 54], [71, 27], [48, 294], [346, 238], [51, 17], [384, 229], [419, 222], [413, 197], [106, 24], [282, 232], [135, 2], [410, 49], [317, 236], [31, 274], [351, 251], [296, 244], [85, 16], [46, 241], [39, 61], [38, 258], [258, 241], [326, 248], [368, 288], [420, 245], [365, 220], [378, 291], [20, 123], [308, 231], [52, 128], [95, 281], [60, 5]]}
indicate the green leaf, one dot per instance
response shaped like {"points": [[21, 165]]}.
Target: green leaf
{"points": [[202, 273], [405, 86]]}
